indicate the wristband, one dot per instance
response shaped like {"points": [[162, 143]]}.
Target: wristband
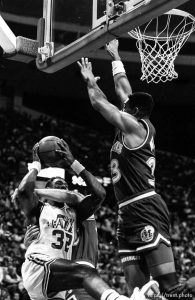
{"points": [[109, 294], [34, 165], [77, 167], [117, 67]]}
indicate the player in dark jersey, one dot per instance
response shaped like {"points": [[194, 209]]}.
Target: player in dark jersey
{"points": [[45, 274], [143, 217]]}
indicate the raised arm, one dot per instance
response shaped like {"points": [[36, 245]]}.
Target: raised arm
{"points": [[27, 200], [121, 120], [59, 195], [88, 205], [122, 85]]}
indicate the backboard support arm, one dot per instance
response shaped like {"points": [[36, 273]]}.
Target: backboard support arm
{"points": [[105, 33]]}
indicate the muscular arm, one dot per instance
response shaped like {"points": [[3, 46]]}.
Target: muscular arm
{"points": [[26, 197], [60, 195], [88, 205], [122, 85], [92, 202], [85, 206], [121, 120]]}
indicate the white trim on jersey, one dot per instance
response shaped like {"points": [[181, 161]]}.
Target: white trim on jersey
{"points": [[136, 148], [142, 196], [155, 243]]}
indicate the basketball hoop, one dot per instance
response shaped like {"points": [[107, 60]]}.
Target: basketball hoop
{"points": [[159, 42]]}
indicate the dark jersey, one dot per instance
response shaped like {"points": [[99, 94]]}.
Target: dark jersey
{"points": [[132, 170]]}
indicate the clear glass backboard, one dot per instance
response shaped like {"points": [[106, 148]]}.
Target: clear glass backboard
{"points": [[71, 29]]}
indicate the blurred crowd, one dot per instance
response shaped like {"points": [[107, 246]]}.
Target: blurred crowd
{"points": [[175, 182]]}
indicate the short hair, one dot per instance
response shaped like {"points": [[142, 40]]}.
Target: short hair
{"points": [[49, 183], [143, 101]]}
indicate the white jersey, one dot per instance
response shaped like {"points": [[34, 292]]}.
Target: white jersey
{"points": [[58, 232]]}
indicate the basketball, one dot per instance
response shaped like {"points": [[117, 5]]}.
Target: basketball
{"points": [[47, 149]]}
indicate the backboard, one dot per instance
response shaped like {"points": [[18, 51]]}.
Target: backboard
{"points": [[72, 29]]}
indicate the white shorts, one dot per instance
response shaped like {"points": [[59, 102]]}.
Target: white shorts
{"points": [[35, 275]]}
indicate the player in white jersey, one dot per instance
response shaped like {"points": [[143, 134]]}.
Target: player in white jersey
{"points": [[46, 270]]}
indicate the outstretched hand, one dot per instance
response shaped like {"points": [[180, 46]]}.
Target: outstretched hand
{"points": [[86, 70], [67, 157], [112, 49]]}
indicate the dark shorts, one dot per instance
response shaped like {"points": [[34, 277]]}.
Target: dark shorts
{"points": [[79, 294], [142, 226], [162, 254]]}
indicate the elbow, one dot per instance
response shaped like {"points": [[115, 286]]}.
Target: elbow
{"points": [[26, 189], [21, 192]]}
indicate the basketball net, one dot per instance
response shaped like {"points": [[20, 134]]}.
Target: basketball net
{"points": [[159, 42]]}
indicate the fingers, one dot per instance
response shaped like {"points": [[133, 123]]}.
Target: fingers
{"points": [[64, 143], [14, 195], [36, 146], [60, 151], [32, 227], [97, 78], [34, 235], [35, 152], [32, 232], [84, 63], [63, 146], [79, 64]]}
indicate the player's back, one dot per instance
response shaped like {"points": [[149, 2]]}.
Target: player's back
{"points": [[133, 168], [57, 232]]}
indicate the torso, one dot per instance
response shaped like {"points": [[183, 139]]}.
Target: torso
{"points": [[132, 169], [58, 232]]}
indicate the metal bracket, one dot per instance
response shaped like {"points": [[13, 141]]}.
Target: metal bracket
{"points": [[46, 51], [133, 4], [113, 11]]}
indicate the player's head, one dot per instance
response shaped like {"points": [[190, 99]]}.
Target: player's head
{"points": [[57, 183], [140, 105]]}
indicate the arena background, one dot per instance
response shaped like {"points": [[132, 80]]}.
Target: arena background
{"points": [[34, 104]]}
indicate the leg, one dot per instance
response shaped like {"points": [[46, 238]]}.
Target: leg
{"points": [[161, 264], [135, 271], [66, 275]]}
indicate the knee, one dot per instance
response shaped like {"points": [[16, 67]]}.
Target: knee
{"points": [[87, 272], [172, 289], [166, 282]]}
